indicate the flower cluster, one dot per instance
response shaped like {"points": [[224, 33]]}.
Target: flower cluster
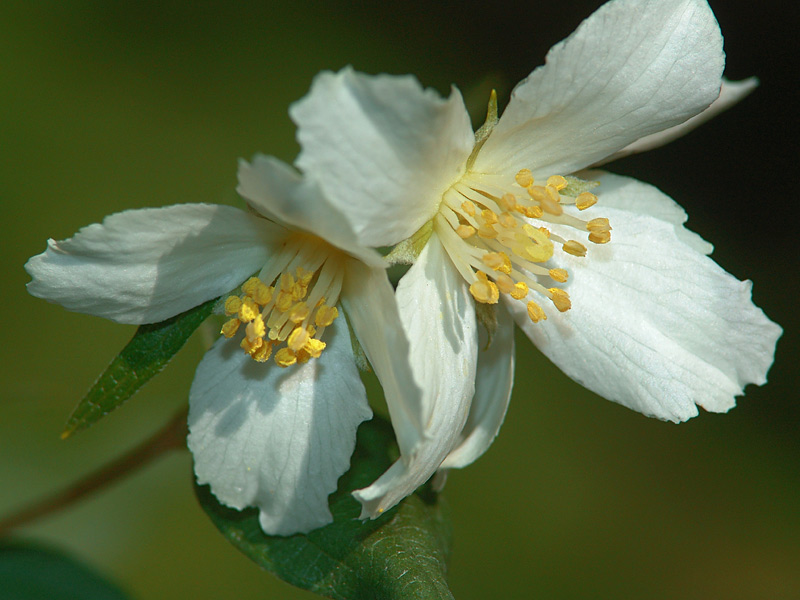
{"points": [[501, 226]]}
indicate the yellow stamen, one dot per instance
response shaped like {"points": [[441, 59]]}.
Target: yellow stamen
{"points": [[232, 305], [560, 299], [535, 312], [468, 207], [557, 181], [598, 225], [524, 177], [299, 312], [508, 201], [600, 238], [248, 310], [297, 339], [585, 200], [464, 231], [314, 347], [489, 217], [520, 290], [498, 261], [255, 329], [574, 248], [483, 290], [559, 275], [263, 353], [488, 232], [285, 357], [504, 283], [326, 315], [230, 328]]}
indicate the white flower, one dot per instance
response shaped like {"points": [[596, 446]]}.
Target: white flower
{"points": [[261, 435], [647, 320]]}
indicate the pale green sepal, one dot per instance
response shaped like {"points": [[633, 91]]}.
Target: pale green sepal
{"points": [[487, 316], [576, 185], [407, 251], [488, 125]]}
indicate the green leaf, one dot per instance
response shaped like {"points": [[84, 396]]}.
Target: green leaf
{"points": [[28, 573], [402, 554], [149, 351]]}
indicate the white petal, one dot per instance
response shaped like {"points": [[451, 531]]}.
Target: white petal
{"points": [[731, 93], [493, 385], [654, 325], [631, 69], [382, 148], [144, 266], [276, 190], [369, 301], [438, 316], [278, 439]]}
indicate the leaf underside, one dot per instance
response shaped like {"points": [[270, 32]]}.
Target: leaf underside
{"points": [[148, 352], [402, 554]]}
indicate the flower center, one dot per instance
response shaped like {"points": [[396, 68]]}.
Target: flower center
{"points": [[289, 304], [498, 240]]}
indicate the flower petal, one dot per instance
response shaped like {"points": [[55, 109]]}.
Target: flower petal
{"points": [[144, 266], [654, 325], [438, 316], [278, 439], [369, 301], [633, 68], [731, 93], [276, 190], [493, 384], [382, 148]]}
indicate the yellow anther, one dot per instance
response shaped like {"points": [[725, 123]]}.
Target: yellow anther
{"points": [[299, 291], [550, 200], [520, 290], [535, 312], [251, 346], [325, 315], [598, 225], [560, 299], [263, 353], [559, 275], [545, 231], [557, 181], [537, 192], [574, 248], [302, 356], [489, 217], [286, 282], [255, 289], [285, 357], [465, 231], [487, 231], [255, 329], [602, 237], [230, 328], [468, 207], [508, 201], [498, 261], [504, 283], [299, 312], [304, 276], [297, 339], [585, 200], [524, 177], [508, 221], [541, 251], [248, 310], [285, 301], [532, 212], [314, 347], [232, 305], [483, 290]]}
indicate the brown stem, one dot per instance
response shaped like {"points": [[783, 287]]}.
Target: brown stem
{"points": [[170, 437]]}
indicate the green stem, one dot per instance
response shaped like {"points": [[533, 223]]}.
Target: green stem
{"points": [[170, 437]]}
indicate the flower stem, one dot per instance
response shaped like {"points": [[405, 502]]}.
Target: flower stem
{"points": [[170, 437]]}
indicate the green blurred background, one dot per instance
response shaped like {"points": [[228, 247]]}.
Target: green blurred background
{"points": [[114, 105]]}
